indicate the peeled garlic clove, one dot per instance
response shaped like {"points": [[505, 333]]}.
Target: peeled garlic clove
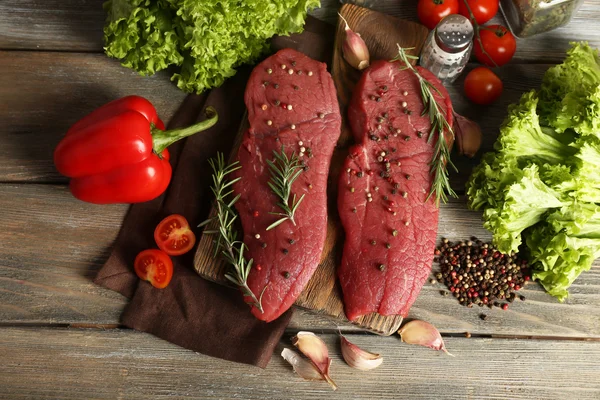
{"points": [[301, 366], [315, 349], [468, 135], [359, 358], [423, 334], [354, 48]]}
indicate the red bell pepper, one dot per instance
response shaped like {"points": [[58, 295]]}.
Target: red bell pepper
{"points": [[118, 153]]}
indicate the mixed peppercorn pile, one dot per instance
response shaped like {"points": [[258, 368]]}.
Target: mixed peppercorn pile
{"points": [[478, 274]]}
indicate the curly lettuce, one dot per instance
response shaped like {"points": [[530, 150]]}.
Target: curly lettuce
{"points": [[539, 189], [205, 41]]}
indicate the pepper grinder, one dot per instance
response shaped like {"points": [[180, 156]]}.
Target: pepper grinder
{"points": [[448, 47]]}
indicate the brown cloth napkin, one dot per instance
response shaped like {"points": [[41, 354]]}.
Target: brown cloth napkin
{"points": [[192, 312]]}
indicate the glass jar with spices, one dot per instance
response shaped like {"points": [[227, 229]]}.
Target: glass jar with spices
{"points": [[530, 17]]}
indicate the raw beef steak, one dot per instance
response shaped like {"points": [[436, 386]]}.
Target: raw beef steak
{"points": [[292, 105], [390, 226]]}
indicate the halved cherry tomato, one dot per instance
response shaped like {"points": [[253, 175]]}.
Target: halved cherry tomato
{"points": [[482, 86], [499, 44], [174, 236], [483, 10], [154, 266], [431, 12]]}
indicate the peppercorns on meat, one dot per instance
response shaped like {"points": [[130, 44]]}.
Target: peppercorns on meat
{"points": [[476, 273]]}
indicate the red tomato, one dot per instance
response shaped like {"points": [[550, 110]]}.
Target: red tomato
{"points": [[482, 86], [154, 266], [483, 10], [431, 12], [174, 236], [499, 44]]}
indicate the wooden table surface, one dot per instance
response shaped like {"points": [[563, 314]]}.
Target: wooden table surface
{"points": [[60, 335]]}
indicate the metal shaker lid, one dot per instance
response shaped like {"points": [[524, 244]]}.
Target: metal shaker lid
{"points": [[454, 33]]}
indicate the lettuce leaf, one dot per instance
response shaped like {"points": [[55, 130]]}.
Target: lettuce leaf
{"points": [[142, 34], [208, 40], [541, 185]]}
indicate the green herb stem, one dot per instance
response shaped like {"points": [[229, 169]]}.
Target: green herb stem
{"points": [[439, 124], [284, 171], [231, 248]]}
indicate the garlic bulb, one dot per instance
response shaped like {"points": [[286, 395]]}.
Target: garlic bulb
{"points": [[354, 48], [359, 358]]}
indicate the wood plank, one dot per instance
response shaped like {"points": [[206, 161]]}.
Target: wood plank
{"points": [[75, 364], [50, 251], [53, 245], [42, 94], [75, 25], [72, 25]]}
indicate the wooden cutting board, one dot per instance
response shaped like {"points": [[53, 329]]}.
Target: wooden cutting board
{"points": [[323, 294]]}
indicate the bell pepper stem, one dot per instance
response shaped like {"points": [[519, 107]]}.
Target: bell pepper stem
{"points": [[163, 139]]}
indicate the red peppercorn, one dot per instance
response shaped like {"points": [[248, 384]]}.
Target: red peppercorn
{"points": [[505, 306], [453, 273], [485, 300], [452, 289], [527, 278], [475, 294], [517, 287]]}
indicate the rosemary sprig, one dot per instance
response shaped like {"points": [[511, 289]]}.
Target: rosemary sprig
{"points": [[284, 171], [231, 248], [439, 124]]}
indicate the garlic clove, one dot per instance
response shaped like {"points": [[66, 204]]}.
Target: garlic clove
{"points": [[315, 349], [359, 358], [354, 48], [468, 135], [423, 334], [301, 366]]}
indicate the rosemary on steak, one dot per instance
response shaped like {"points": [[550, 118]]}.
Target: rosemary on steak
{"points": [[439, 124], [284, 171], [231, 248]]}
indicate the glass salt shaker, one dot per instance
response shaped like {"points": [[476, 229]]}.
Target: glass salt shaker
{"points": [[448, 47]]}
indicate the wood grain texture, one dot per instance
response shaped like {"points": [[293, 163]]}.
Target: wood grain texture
{"points": [[42, 94], [51, 248], [92, 364], [322, 293], [76, 25]]}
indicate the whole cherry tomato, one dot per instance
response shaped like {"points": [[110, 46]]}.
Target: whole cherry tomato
{"points": [[483, 10], [482, 86], [431, 12], [499, 44], [174, 236], [154, 266]]}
